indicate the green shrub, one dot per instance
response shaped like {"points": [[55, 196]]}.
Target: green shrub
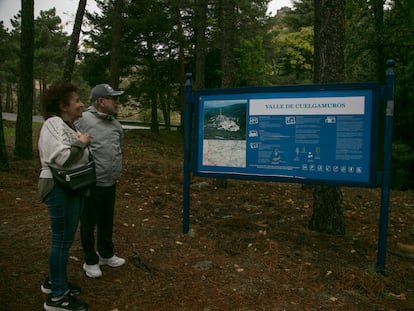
{"points": [[402, 167]]}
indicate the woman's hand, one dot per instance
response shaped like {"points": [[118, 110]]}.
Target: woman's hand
{"points": [[84, 138]]}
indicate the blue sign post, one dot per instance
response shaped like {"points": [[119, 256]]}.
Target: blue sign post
{"points": [[320, 134], [386, 173]]}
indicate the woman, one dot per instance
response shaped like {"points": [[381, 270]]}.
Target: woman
{"points": [[61, 146]]}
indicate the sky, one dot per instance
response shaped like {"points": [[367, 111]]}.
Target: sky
{"points": [[274, 5], [66, 9]]}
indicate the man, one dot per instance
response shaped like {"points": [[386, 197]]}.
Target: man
{"points": [[106, 139]]}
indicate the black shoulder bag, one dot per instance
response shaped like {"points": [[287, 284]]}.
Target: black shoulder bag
{"points": [[77, 179]]}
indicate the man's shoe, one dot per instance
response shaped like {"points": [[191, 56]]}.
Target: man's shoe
{"points": [[113, 261], [93, 271], [46, 287], [64, 303]]}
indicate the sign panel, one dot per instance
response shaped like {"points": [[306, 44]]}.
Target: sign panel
{"points": [[314, 135]]}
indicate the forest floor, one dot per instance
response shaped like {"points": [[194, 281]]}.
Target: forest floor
{"points": [[248, 248]]}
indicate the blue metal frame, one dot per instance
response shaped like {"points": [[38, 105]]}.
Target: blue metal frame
{"points": [[187, 154], [373, 88]]}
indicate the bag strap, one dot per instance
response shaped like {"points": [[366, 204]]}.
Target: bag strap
{"points": [[90, 156]]}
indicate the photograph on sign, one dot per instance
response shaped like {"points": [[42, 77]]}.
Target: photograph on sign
{"points": [[224, 133]]}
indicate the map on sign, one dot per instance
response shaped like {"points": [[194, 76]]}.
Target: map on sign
{"points": [[316, 135]]}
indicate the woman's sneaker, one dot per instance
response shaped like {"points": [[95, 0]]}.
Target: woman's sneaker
{"points": [[64, 303], [46, 287]]}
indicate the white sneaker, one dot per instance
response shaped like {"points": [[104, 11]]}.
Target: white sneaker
{"points": [[113, 261], [93, 271]]}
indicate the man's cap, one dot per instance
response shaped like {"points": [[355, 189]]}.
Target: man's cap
{"points": [[103, 90]]}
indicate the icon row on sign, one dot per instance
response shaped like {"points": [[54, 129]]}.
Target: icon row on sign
{"points": [[331, 168]]}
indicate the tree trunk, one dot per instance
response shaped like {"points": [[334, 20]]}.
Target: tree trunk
{"points": [[4, 163], [180, 35], [23, 140], [227, 56], [327, 214], [329, 41], [200, 49], [9, 94], [74, 41], [152, 92], [116, 44], [378, 12], [154, 113], [227, 42], [329, 66], [165, 110]]}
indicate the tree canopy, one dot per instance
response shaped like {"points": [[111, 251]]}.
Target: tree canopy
{"points": [[230, 43]]}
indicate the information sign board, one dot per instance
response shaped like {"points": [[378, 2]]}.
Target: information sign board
{"points": [[315, 134]]}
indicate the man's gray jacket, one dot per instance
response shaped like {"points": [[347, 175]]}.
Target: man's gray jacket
{"points": [[106, 143]]}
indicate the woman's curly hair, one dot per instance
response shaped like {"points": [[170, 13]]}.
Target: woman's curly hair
{"points": [[56, 96]]}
